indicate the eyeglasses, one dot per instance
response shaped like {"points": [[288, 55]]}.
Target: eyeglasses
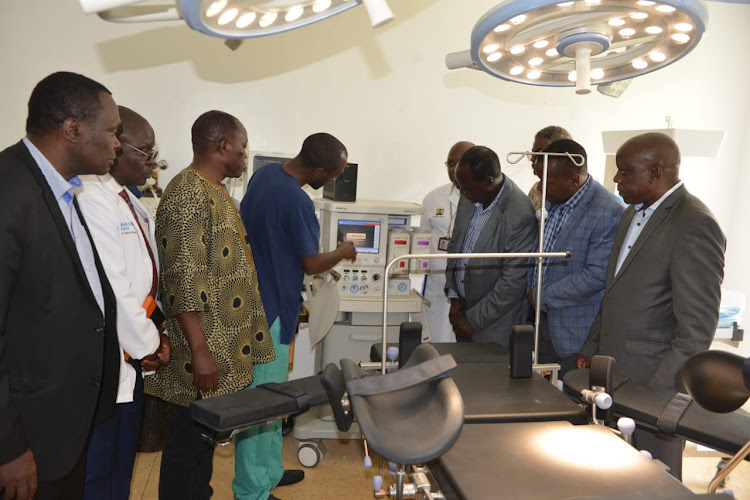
{"points": [[149, 156]]}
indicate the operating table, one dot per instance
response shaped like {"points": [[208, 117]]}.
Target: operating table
{"points": [[524, 443], [481, 375]]}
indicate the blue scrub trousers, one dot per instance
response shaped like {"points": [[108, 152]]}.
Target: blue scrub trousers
{"points": [[257, 451]]}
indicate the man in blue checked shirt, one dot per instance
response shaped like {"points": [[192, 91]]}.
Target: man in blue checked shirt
{"points": [[582, 218]]}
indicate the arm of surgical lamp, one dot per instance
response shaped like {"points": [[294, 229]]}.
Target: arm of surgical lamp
{"points": [[124, 11], [456, 60], [719, 381], [378, 11]]}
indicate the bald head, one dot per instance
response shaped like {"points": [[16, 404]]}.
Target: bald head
{"points": [[545, 137], [322, 150], [135, 158], [130, 119], [454, 155], [658, 149], [648, 165]]}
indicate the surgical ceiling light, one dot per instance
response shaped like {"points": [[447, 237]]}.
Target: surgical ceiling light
{"points": [[604, 40], [236, 19]]}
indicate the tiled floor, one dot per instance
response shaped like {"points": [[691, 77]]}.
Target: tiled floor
{"points": [[341, 475]]}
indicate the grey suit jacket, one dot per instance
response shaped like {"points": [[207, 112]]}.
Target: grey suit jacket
{"points": [[663, 305], [495, 288]]}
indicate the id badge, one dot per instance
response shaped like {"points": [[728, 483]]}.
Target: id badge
{"points": [[443, 243]]}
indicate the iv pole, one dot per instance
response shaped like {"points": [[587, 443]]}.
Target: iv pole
{"points": [[514, 158]]}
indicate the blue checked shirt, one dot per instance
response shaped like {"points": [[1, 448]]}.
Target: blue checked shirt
{"points": [[64, 191], [558, 214], [478, 221]]}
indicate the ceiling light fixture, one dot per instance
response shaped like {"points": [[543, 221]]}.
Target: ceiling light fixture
{"points": [[236, 19], [617, 37]]}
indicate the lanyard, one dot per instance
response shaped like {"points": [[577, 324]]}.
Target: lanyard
{"points": [[450, 212]]}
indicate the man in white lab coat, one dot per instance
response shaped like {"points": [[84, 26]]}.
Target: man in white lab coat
{"points": [[439, 213], [123, 232]]}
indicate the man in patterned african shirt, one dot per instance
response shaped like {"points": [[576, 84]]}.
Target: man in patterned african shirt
{"points": [[210, 294]]}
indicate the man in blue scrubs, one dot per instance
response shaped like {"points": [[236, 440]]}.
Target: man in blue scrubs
{"points": [[280, 221]]}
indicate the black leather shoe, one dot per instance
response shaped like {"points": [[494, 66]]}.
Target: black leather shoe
{"points": [[291, 476]]}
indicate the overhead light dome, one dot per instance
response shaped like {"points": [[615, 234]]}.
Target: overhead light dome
{"points": [[237, 19], [614, 39]]}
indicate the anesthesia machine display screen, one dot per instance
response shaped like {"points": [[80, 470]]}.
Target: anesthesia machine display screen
{"points": [[364, 234]]}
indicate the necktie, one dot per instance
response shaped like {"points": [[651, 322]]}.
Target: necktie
{"points": [[155, 281]]}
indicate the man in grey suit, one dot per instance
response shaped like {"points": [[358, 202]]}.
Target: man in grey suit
{"points": [[662, 293], [493, 215]]}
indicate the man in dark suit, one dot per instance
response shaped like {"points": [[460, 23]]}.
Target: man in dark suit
{"points": [[662, 293], [582, 219], [493, 215], [59, 356]]}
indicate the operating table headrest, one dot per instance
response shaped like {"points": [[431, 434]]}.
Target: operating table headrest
{"points": [[410, 416]]}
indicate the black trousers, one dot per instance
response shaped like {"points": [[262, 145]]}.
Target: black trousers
{"points": [[187, 459], [69, 487]]}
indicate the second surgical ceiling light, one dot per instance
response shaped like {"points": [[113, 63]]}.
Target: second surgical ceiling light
{"points": [[553, 43]]}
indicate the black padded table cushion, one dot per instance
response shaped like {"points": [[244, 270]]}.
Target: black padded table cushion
{"points": [[549, 460], [256, 406], [491, 396], [726, 432]]}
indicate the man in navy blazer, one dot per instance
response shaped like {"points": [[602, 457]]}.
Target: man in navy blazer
{"points": [[582, 218], [59, 355], [493, 215]]}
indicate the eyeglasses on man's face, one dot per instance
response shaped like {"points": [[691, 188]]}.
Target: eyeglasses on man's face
{"points": [[150, 156]]}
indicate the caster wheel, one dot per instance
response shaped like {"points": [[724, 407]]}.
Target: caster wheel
{"points": [[309, 454]]}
